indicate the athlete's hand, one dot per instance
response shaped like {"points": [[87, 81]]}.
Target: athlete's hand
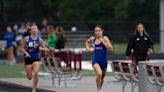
{"points": [[102, 40], [149, 52], [87, 49], [44, 49], [27, 55], [35, 45]]}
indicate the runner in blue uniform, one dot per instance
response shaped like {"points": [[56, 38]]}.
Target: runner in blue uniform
{"points": [[101, 44], [31, 47]]}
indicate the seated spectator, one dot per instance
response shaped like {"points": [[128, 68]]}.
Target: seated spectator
{"points": [[26, 30], [52, 38], [60, 43]]}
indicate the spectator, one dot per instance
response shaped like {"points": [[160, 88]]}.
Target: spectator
{"points": [[15, 29], [44, 25], [52, 38], [60, 44], [9, 37], [140, 45], [26, 30], [19, 35]]}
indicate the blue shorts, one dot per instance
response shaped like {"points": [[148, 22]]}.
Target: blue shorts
{"points": [[8, 46], [103, 64]]}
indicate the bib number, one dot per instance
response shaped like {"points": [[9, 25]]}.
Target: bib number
{"points": [[30, 44]]}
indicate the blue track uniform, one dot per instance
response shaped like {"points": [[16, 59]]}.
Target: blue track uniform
{"points": [[34, 52], [100, 55], [9, 37]]}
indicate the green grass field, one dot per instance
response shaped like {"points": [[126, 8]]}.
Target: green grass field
{"points": [[8, 71], [15, 71], [121, 48]]}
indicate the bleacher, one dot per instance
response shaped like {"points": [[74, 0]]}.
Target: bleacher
{"points": [[74, 39], [77, 39]]}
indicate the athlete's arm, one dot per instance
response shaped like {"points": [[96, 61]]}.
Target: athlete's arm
{"points": [[150, 46], [42, 45], [25, 40], [87, 44], [107, 43]]}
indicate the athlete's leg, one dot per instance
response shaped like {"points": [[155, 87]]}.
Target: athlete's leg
{"points": [[98, 71], [36, 66], [102, 78], [28, 71], [9, 54], [12, 57]]}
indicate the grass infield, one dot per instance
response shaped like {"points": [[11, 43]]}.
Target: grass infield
{"points": [[15, 71]]}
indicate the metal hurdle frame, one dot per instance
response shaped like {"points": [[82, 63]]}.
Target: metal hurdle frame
{"points": [[77, 67], [125, 74], [120, 74], [47, 65], [129, 74], [60, 73], [116, 70], [149, 76], [153, 78], [158, 77], [75, 63], [162, 73], [134, 76]]}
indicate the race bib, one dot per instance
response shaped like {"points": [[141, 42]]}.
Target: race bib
{"points": [[30, 44]]}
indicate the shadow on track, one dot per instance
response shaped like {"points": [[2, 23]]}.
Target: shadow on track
{"points": [[10, 87]]}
